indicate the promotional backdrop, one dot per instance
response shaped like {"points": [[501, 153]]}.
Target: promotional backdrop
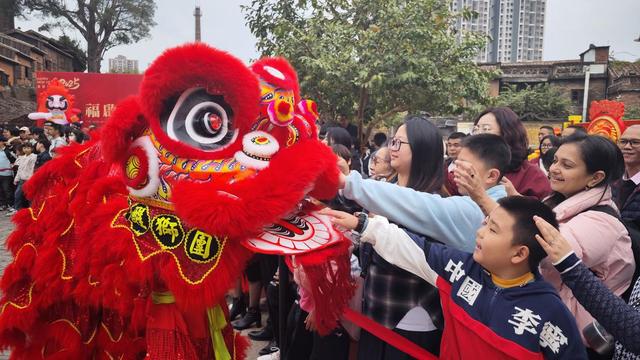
{"points": [[95, 95]]}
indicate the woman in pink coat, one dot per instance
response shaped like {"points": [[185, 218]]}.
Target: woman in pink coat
{"points": [[581, 174]]}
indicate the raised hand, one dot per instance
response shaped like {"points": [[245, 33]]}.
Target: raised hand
{"points": [[553, 243]]}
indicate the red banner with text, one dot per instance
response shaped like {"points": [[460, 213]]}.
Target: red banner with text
{"points": [[95, 95]]}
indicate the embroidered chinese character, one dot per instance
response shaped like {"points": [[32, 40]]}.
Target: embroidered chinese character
{"points": [[167, 230], [138, 217], [552, 337], [469, 290], [524, 320], [164, 226], [201, 247], [137, 214], [201, 244], [455, 269]]}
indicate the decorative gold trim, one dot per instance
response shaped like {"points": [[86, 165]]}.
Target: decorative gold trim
{"points": [[15, 258], [73, 188], [92, 283], [21, 307], [175, 258], [68, 228], [64, 266], [106, 329], [75, 159], [35, 217], [68, 322], [22, 247]]}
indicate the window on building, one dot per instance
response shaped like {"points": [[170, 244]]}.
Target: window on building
{"points": [[577, 96]]}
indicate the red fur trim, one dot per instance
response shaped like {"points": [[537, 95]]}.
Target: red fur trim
{"points": [[261, 200], [124, 126], [196, 298], [290, 81], [326, 186], [192, 65]]}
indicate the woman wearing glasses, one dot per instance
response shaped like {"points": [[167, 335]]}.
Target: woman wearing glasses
{"points": [[392, 296], [547, 143], [527, 180], [380, 166]]}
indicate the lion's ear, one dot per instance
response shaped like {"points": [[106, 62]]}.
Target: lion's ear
{"points": [[125, 125]]}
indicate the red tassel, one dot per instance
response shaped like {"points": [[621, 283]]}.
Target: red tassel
{"points": [[328, 275]]}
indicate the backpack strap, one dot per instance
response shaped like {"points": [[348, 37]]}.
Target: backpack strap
{"points": [[634, 234], [607, 209]]}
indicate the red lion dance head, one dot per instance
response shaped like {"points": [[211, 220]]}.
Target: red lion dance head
{"points": [[132, 240]]}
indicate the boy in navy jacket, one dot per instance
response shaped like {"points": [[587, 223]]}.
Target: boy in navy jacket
{"points": [[495, 303]]}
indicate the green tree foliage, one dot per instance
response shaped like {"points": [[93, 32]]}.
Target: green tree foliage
{"points": [[73, 47], [631, 113], [538, 102], [372, 59], [102, 23]]}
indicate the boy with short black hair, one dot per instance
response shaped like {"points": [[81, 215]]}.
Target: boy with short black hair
{"points": [[450, 220], [496, 304]]}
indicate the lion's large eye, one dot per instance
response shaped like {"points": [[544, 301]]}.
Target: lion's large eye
{"points": [[200, 119]]}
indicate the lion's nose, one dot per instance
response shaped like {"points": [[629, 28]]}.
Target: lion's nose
{"points": [[257, 149]]}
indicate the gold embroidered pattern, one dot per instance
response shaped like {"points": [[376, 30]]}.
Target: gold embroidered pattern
{"points": [[212, 261]]}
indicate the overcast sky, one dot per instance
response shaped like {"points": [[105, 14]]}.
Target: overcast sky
{"points": [[571, 25]]}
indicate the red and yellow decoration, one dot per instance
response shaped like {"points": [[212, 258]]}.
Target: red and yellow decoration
{"points": [[606, 119], [133, 239]]}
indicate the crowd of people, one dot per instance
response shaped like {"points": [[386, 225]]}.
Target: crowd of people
{"points": [[463, 245], [480, 246], [23, 151]]}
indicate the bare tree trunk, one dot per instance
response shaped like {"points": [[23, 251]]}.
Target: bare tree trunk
{"points": [[94, 56], [373, 123], [362, 105]]}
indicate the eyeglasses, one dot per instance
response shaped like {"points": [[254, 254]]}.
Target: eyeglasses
{"points": [[477, 129], [624, 142], [378, 160], [396, 143], [546, 146]]}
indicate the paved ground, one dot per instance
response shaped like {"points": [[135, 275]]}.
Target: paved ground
{"points": [[5, 258]]}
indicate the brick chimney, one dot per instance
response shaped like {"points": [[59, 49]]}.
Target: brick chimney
{"points": [[197, 14]]}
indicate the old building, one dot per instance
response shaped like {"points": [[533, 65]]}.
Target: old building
{"points": [[624, 83], [22, 53], [55, 58], [605, 81]]}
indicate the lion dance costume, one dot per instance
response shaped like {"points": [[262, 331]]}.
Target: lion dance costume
{"points": [[133, 239]]}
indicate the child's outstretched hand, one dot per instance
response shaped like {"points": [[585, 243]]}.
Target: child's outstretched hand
{"points": [[341, 218], [553, 243]]}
